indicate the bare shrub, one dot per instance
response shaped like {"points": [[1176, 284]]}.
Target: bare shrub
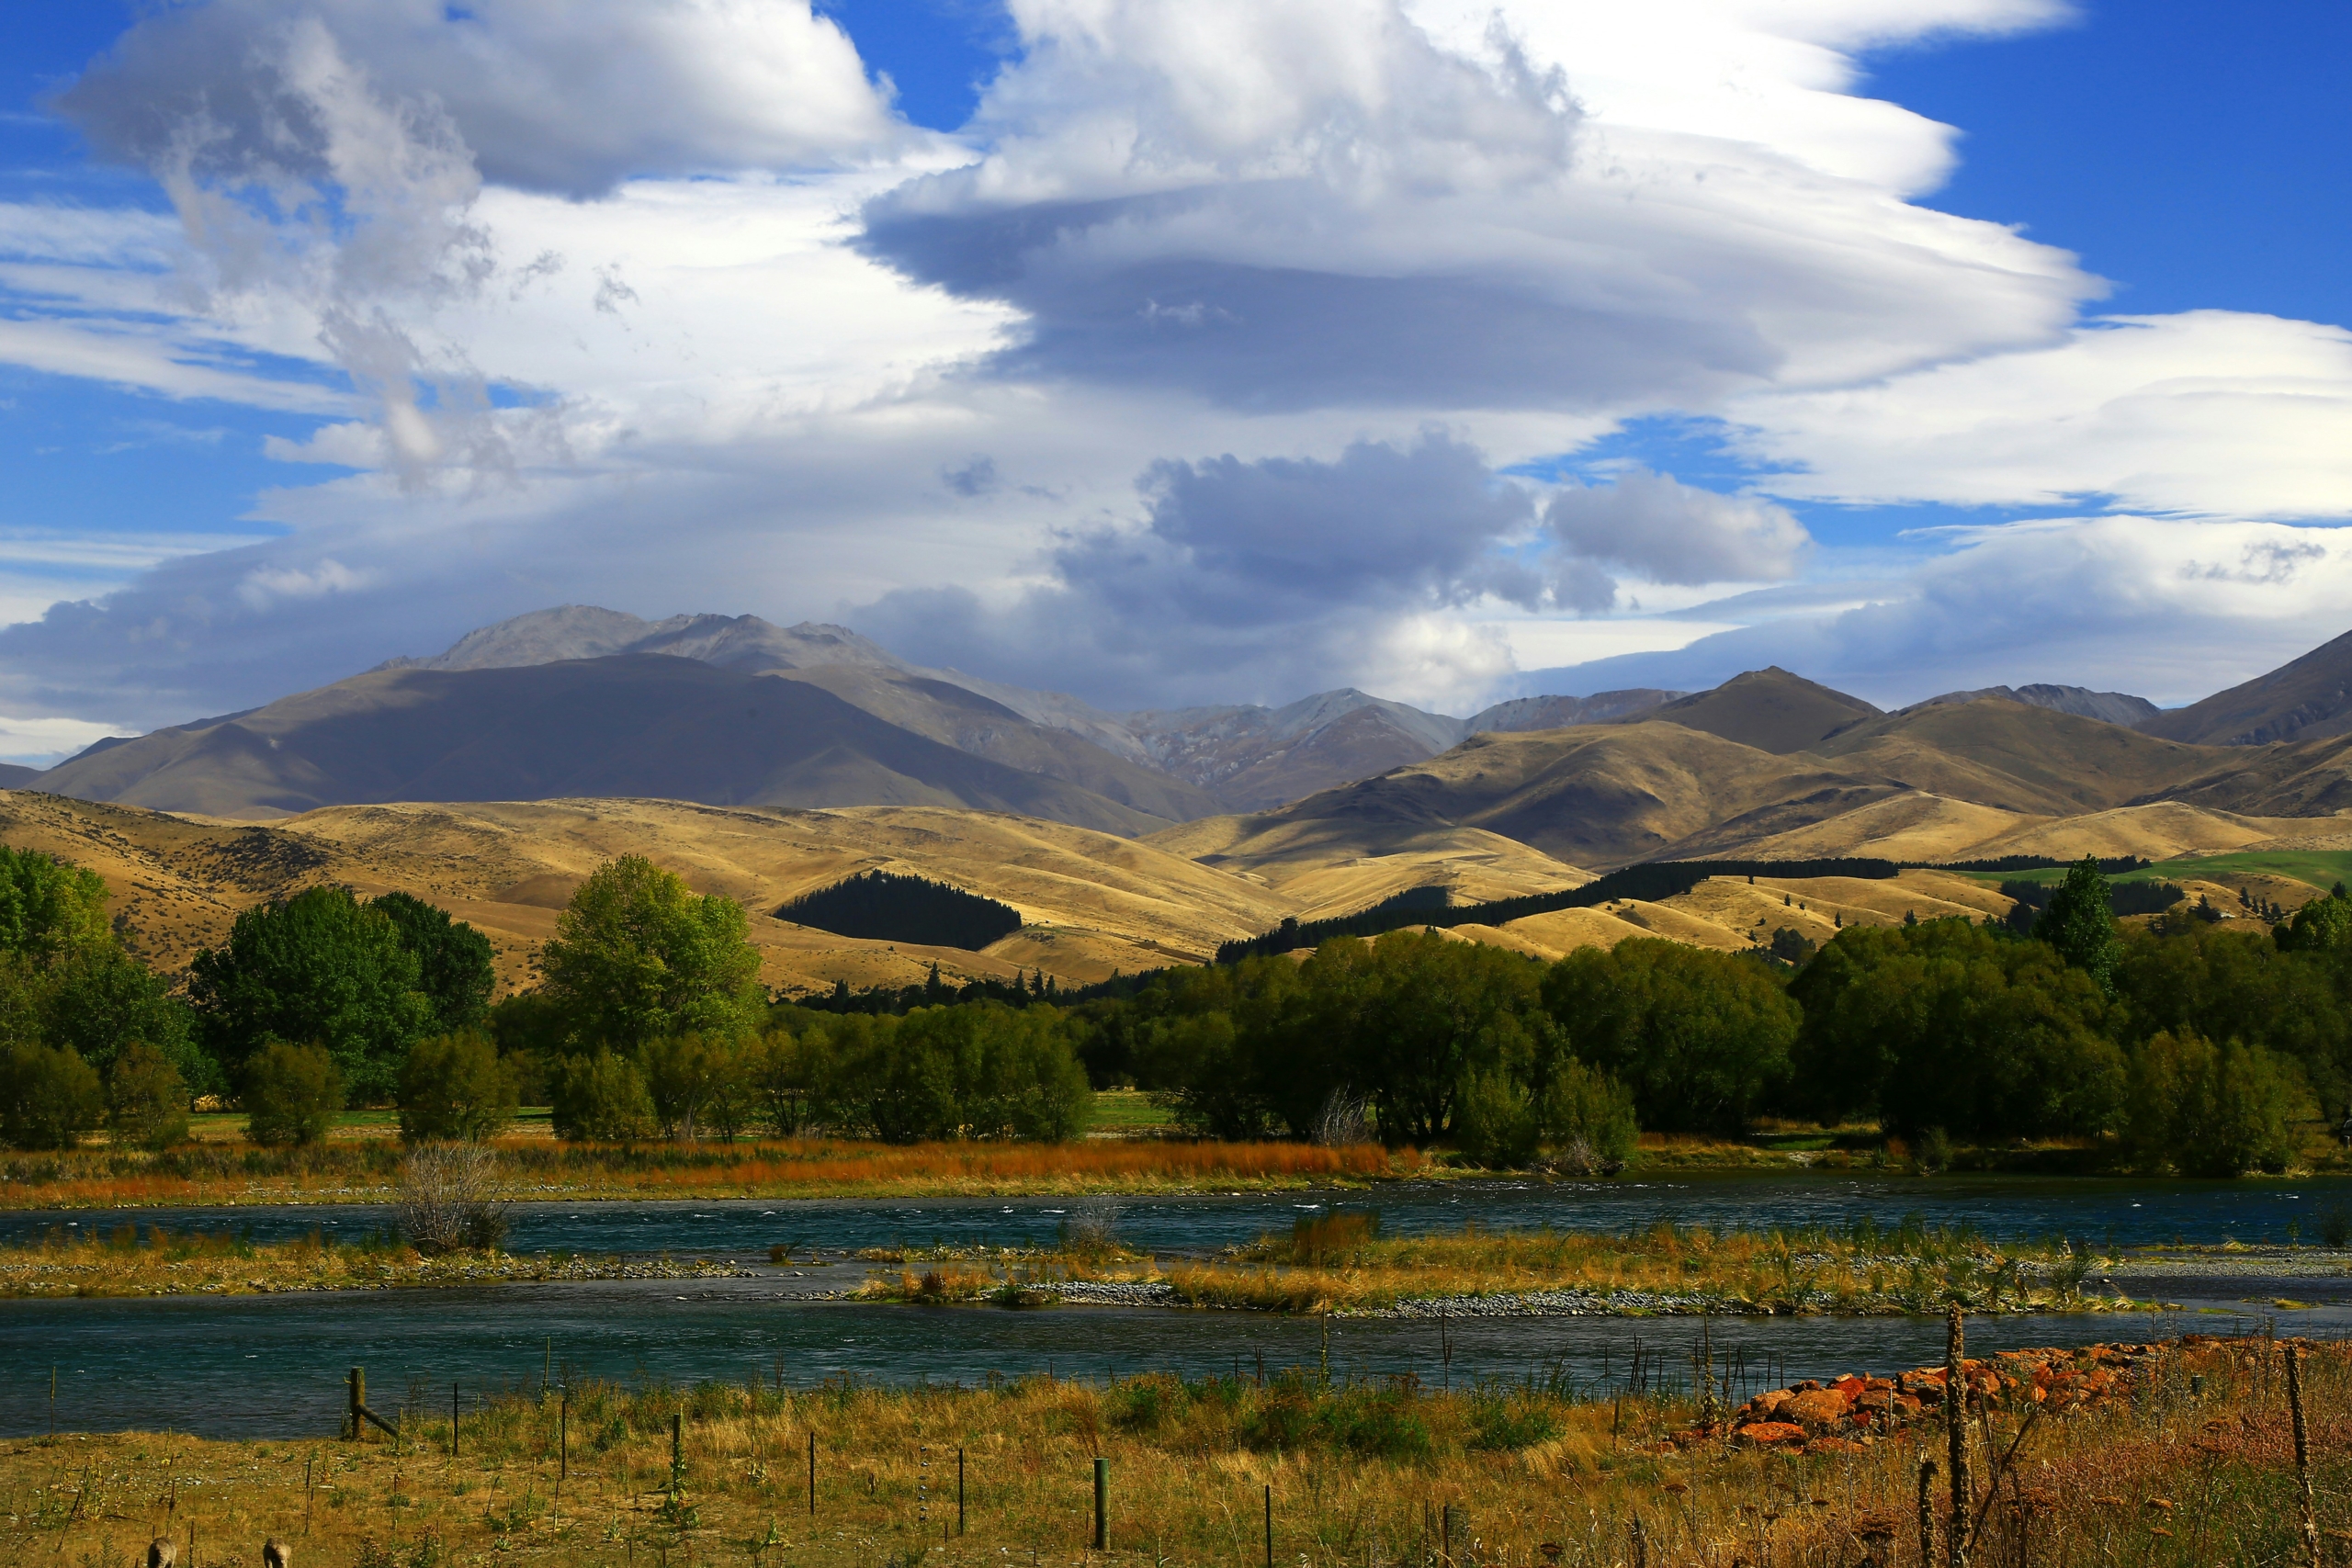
{"points": [[1344, 1121], [1092, 1225], [449, 1199]]}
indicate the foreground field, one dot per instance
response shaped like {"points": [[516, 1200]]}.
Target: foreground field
{"points": [[2182, 1453]]}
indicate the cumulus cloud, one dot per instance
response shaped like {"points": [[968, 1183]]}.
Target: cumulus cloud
{"points": [[1671, 532], [569, 96]]}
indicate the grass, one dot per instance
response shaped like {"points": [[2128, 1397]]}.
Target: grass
{"points": [[365, 1170], [132, 1260], [2158, 1472], [2322, 868], [1340, 1263], [1130, 1112]]}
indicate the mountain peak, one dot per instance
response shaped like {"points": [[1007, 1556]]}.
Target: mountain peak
{"points": [[1770, 709]]}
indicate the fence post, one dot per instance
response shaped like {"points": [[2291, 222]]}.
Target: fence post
{"points": [[452, 1419], [358, 1399], [564, 1436], [1270, 1525], [1101, 1504], [959, 1492], [812, 1472], [1956, 1434]]}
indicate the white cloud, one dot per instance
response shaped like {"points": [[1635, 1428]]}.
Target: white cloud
{"points": [[564, 95], [266, 584], [2212, 412], [1671, 532]]}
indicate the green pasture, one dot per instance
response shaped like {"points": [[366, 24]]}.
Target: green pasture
{"points": [[2322, 868]]}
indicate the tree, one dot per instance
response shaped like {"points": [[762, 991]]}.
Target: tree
{"points": [[455, 967], [602, 1099], [1953, 1025], [2225, 981], [455, 1089], [49, 907], [146, 1098], [320, 967], [2080, 924], [1702, 1038], [291, 1095], [698, 1083], [2213, 1111], [101, 1000], [2322, 925], [49, 1097], [637, 957]]}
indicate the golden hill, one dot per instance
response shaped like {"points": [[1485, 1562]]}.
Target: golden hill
{"points": [[1093, 901]]}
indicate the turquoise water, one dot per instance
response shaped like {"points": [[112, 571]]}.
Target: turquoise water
{"points": [[275, 1365]]}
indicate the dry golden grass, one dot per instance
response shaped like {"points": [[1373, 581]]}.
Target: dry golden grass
{"points": [[366, 1170], [2165, 1474], [1338, 1264], [131, 1261]]}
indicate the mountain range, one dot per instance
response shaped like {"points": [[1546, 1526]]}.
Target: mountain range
{"points": [[734, 711]]}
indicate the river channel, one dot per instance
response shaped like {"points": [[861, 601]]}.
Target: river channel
{"points": [[272, 1365]]}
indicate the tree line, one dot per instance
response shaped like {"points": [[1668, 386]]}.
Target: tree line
{"points": [[2199, 1043]]}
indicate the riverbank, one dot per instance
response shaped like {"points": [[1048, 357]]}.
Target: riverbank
{"points": [[367, 1171], [2171, 1453]]}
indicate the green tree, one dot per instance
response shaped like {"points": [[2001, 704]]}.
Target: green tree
{"points": [[789, 1075], [2213, 1111], [1953, 1025], [291, 1095], [1702, 1038], [456, 1088], [101, 998], [2225, 981], [49, 1097], [49, 907], [699, 1084], [2080, 923], [320, 967], [147, 1098], [601, 1097], [2322, 925], [638, 957], [455, 967]]}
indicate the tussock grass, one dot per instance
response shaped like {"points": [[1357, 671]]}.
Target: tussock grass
{"points": [[812, 1168], [1388, 1472]]}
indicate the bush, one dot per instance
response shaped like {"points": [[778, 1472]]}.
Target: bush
{"points": [[699, 1084], [146, 1098], [455, 1086], [1700, 1038], [449, 1199], [49, 1098], [601, 1099], [292, 1095]]}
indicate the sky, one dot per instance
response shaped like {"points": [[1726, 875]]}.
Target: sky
{"points": [[1166, 354]]}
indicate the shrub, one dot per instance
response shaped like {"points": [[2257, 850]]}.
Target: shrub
{"points": [[601, 1099], [449, 1199], [49, 1097], [146, 1098], [455, 1087], [292, 1094], [700, 1084]]}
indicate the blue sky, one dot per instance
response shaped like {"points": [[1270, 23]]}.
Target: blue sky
{"points": [[1658, 346]]}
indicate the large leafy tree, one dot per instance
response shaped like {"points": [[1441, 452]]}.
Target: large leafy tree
{"points": [[49, 909], [319, 968], [1702, 1038], [638, 956], [1947, 1024], [64, 978], [455, 966]]}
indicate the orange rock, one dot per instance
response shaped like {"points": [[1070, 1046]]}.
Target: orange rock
{"points": [[1823, 1408], [1772, 1432]]}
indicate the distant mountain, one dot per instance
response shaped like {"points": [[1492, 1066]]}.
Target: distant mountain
{"points": [[1253, 758], [2114, 707], [1769, 709], [2309, 699], [1522, 714], [627, 725], [13, 776]]}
